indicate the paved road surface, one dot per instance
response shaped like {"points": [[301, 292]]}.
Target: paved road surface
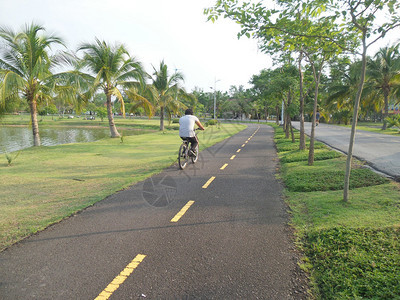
{"points": [[382, 151], [231, 243]]}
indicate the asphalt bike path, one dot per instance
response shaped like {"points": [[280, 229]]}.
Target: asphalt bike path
{"points": [[216, 230]]}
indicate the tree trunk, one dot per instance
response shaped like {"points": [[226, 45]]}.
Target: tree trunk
{"points": [[302, 145], [386, 112], [287, 118], [277, 114], [113, 130], [312, 137], [162, 118], [291, 131], [35, 126], [286, 124], [354, 123]]}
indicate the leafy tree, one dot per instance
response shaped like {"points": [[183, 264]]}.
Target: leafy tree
{"points": [[265, 89], [205, 99], [356, 22], [166, 93], [138, 98], [101, 112], [26, 69], [383, 78], [112, 71], [343, 90], [360, 17], [48, 110], [287, 28]]}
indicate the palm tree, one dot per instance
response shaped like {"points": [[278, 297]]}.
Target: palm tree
{"points": [[26, 69], [342, 92], [165, 92], [114, 70], [383, 77]]}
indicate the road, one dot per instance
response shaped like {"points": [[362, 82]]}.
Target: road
{"points": [[381, 151], [217, 230]]}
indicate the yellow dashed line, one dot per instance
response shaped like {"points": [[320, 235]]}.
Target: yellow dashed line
{"points": [[243, 145], [114, 285], [182, 211], [224, 166], [238, 150], [233, 157], [246, 142], [208, 182]]}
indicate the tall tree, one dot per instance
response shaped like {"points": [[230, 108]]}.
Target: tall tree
{"points": [[112, 70], [166, 93], [360, 17], [356, 20], [383, 78], [342, 89], [26, 68], [287, 28]]}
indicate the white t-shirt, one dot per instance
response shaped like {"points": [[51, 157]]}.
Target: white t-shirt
{"points": [[186, 125]]}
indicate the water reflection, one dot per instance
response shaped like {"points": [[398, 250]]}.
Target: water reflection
{"points": [[16, 138]]}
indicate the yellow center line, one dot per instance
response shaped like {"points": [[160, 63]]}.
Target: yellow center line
{"points": [[233, 157], [246, 142], [114, 285], [238, 150], [182, 211], [243, 145], [224, 166], [208, 182]]}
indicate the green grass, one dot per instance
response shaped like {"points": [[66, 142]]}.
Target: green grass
{"points": [[284, 145], [369, 256], [301, 155], [352, 250], [330, 179], [47, 184], [373, 127], [54, 121]]}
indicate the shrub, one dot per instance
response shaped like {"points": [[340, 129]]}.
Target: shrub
{"points": [[175, 121], [211, 122]]}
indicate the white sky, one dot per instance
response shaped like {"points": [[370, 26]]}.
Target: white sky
{"points": [[152, 30]]}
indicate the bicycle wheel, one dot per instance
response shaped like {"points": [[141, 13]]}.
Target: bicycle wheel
{"points": [[196, 154], [183, 156]]}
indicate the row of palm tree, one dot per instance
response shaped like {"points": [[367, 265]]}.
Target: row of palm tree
{"points": [[27, 70], [382, 85]]}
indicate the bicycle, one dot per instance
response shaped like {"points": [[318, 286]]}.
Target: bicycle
{"points": [[183, 156]]}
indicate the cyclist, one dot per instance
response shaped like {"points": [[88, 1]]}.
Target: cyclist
{"points": [[186, 129]]}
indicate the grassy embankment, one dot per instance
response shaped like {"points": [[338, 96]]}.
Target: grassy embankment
{"points": [[375, 127], [46, 184], [352, 250], [56, 121]]}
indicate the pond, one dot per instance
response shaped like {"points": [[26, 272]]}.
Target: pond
{"points": [[13, 138]]}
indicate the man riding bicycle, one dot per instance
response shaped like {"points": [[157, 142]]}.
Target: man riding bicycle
{"points": [[187, 131]]}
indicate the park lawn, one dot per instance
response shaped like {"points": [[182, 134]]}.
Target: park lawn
{"points": [[374, 127], [46, 184], [351, 250], [54, 121]]}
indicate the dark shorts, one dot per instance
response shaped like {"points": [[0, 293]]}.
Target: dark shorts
{"points": [[192, 140]]}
